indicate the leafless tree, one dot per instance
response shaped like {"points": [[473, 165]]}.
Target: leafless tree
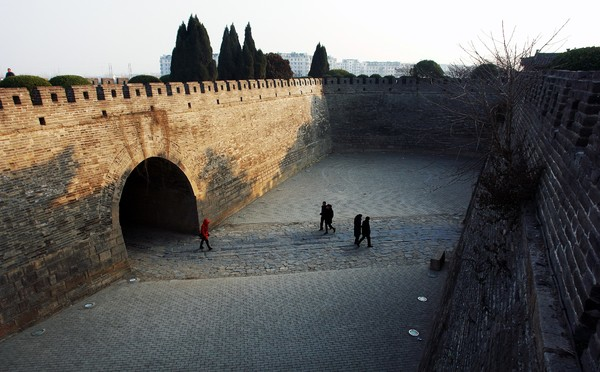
{"points": [[489, 100]]}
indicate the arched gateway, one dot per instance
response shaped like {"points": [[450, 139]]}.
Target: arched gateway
{"points": [[157, 194]]}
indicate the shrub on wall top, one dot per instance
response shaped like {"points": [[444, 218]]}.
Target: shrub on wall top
{"points": [[144, 79], [69, 80], [581, 59], [24, 81]]}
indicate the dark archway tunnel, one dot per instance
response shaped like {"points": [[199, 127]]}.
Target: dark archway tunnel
{"points": [[157, 194]]}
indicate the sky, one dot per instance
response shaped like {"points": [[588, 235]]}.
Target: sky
{"points": [[92, 38]]}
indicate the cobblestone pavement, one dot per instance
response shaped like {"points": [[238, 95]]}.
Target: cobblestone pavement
{"points": [[275, 293]]}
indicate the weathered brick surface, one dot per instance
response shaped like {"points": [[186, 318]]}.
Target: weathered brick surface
{"points": [[402, 114], [560, 126], [565, 137], [65, 161]]}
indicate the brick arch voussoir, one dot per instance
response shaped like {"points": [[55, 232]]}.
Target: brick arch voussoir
{"points": [[116, 177]]}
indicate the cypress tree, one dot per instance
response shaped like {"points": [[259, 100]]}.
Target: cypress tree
{"points": [[206, 53], [195, 68], [319, 65], [225, 58], [236, 53], [178, 55], [260, 65], [248, 54], [191, 59]]}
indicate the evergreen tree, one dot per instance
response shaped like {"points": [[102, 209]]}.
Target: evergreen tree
{"points": [[225, 59], [319, 65], [191, 59], [230, 56], [248, 54], [260, 65], [277, 67], [178, 60], [427, 69], [236, 53]]}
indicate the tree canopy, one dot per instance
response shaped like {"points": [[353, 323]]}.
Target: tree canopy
{"points": [[427, 69], [144, 79], [24, 81], [277, 67], [69, 80], [191, 59], [230, 66], [485, 71], [237, 62], [338, 72], [582, 59], [319, 65]]}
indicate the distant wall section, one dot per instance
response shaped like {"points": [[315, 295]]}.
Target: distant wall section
{"points": [[398, 114]]}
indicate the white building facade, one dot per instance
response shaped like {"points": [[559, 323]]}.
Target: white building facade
{"points": [[165, 64], [300, 65]]}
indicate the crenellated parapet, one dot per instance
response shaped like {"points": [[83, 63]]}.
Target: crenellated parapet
{"points": [[385, 85], [24, 110]]}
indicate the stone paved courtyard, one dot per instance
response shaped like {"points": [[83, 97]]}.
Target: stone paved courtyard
{"points": [[275, 293]]}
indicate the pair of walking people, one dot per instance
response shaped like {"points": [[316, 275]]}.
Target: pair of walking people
{"points": [[362, 228], [326, 217]]}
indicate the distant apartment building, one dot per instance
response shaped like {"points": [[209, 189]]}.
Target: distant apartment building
{"points": [[368, 68], [300, 65], [165, 64]]}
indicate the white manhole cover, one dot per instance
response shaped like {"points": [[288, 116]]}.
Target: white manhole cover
{"points": [[89, 305], [39, 332]]}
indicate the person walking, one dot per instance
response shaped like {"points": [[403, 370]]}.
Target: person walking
{"points": [[323, 207], [366, 232], [204, 235], [328, 218], [357, 227]]}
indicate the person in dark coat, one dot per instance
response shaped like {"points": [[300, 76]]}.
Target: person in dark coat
{"points": [[328, 218], [323, 207], [357, 227], [204, 235], [366, 232], [9, 73]]}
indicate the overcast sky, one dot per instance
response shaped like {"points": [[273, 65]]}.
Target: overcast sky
{"points": [[49, 38]]}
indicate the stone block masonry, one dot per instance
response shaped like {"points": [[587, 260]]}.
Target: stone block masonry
{"points": [[66, 156], [562, 123], [69, 156], [543, 273]]}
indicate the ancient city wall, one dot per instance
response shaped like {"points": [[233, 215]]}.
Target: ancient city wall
{"points": [[405, 113], [511, 284], [67, 154], [562, 122]]}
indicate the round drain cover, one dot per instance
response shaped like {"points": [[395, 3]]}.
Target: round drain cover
{"points": [[39, 332]]}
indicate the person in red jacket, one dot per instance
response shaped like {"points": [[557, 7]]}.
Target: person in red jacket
{"points": [[204, 235]]}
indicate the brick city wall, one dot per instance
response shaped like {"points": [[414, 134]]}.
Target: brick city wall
{"points": [[562, 123], [65, 156], [405, 113], [61, 240], [510, 284]]}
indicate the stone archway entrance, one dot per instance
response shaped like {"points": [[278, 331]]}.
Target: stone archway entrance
{"points": [[157, 194]]}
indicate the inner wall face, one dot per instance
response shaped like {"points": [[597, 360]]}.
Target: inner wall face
{"points": [[157, 194]]}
